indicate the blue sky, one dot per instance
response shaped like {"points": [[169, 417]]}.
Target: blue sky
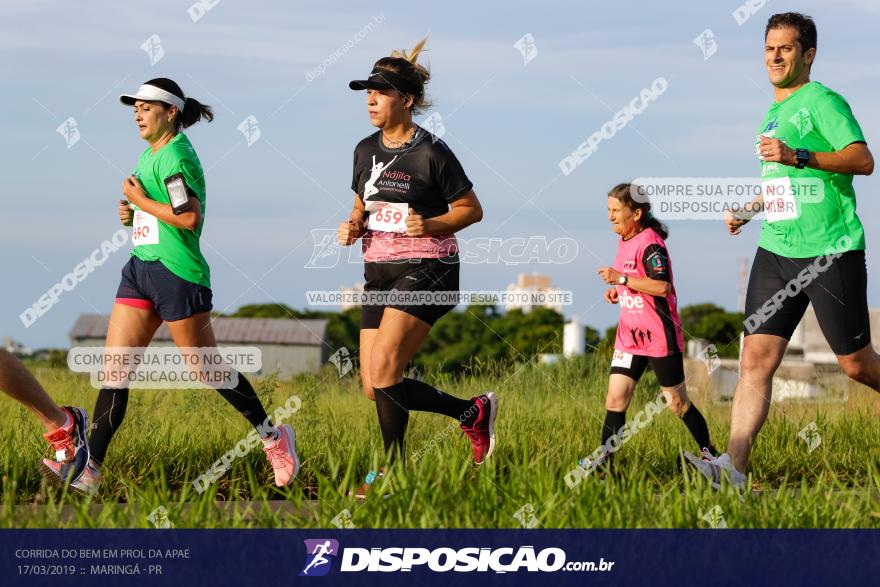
{"points": [[509, 123]]}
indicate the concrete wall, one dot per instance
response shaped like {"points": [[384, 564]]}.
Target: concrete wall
{"points": [[795, 380], [288, 360]]}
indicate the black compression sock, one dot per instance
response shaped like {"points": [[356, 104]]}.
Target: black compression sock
{"points": [[393, 412], [422, 397], [698, 428], [614, 421], [107, 418], [244, 399]]}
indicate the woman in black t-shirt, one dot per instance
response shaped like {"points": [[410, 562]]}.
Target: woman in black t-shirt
{"points": [[411, 197]]}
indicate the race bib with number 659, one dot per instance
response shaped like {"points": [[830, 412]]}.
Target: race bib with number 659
{"points": [[146, 229], [389, 217]]}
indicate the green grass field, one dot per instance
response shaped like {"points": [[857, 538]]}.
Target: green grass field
{"points": [[549, 417]]}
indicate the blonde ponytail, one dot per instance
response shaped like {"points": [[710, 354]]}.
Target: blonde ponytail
{"points": [[405, 63], [413, 55]]}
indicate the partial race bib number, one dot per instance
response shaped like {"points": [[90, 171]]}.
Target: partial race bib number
{"points": [[146, 229], [621, 359], [779, 202], [389, 217]]}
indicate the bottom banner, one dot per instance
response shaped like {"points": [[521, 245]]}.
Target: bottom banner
{"points": [[434, 557]]}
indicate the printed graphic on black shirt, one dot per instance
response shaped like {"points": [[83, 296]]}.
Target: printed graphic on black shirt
{"points": [[655, 259], [425, 175], [376, 170]]}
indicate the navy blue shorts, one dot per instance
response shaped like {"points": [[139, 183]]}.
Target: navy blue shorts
{"points": [[149, 285]]}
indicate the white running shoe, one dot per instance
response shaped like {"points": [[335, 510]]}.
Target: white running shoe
{"points": [[717, 469], [86, 484], [703, 464]]}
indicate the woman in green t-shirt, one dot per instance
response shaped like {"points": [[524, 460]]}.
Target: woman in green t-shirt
{"points": [[167, 280]]}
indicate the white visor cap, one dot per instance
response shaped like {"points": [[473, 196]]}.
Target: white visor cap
{"points": [[150, 93]]}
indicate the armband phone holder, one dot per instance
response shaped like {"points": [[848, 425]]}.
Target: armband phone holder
{"points": [[178, 193]]}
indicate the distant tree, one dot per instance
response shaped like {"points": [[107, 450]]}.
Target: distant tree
{"points": [[266, 311], [343, 329], [57, 358], [611, 333], [692, 315], [459, 341], [528, 334], [713, 324], [591, 338]]}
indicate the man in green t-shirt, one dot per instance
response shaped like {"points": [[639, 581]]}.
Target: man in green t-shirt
{"points": [[812, 243]]}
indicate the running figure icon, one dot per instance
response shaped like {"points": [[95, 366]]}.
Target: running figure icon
{"points": [[375, 171], [320, 550]]}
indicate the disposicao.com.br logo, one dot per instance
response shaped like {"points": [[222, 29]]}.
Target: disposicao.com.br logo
{"points": [[321, 553]]}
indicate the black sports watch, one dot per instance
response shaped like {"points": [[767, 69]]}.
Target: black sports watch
{"points": [[803, 157]]}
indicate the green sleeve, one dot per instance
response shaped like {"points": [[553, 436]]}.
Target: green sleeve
{"points": [[836, 123], [192, 175]]}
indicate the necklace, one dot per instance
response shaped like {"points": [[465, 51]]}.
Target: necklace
{"points": [[397, 144]]}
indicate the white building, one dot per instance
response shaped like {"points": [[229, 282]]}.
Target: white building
{"points": [[287, 346], [15, 348], [353, 291], [532, 291], [807, 339], [573, 339], [809, 369]]}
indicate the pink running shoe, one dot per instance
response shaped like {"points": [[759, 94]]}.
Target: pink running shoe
{"points": [[482, 433], [71, 448], [282, 455]]}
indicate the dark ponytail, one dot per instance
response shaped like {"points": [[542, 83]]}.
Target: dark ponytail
{"points": [[193, 110], [623, 193]]}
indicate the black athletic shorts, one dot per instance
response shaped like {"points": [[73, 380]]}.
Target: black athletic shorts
{"points": [[410, 275], [668, 370], [780, 288], [149, 285]]}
